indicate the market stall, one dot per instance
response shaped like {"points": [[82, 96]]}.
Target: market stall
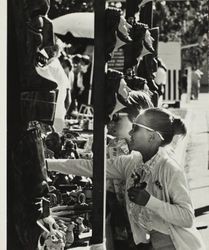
{"points": [[68, 211]]}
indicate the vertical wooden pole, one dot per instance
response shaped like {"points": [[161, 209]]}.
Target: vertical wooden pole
{"points": [[13, 123], [99, 169]]}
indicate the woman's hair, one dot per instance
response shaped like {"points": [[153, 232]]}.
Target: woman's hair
{"points": [[166, 123], [136, 101], [139, 99]]}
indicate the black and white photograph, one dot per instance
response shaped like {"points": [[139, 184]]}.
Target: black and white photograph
{"points": [[105, 115]]}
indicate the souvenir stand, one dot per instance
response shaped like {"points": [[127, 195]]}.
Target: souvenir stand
{"points": [[43, 205]]}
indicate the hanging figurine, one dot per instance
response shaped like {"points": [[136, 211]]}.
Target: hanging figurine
{"points": [[142, 44], [116, 31], [116, 92], [147, 67]]}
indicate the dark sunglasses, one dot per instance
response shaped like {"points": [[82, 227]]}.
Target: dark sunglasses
{"points": [[137, 126]]}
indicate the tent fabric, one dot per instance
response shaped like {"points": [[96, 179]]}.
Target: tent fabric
{"points": [[80, 24]]}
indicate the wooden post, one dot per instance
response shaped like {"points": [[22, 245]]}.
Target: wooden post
{"points": [[99, 144], [13, 124]]}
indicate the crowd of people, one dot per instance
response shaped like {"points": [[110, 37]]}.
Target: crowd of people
{"points": [[187, 22], [62, 7]]}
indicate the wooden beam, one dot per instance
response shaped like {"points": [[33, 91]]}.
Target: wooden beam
{"points": [[99, 169]]}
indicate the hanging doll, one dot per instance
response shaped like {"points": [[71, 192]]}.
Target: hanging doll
{"points": [[142, 43], [116, 31]]}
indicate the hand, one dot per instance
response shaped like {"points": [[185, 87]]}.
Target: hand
{"points": [[138, 196]]}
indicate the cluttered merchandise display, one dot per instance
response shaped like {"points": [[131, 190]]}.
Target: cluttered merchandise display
{"points": [[54, 210], [67, 208]]}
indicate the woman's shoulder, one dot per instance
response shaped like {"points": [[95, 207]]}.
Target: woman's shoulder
{"points": [[171, 165]]}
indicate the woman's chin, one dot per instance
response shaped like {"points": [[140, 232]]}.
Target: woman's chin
{"points": [[131, 145]]}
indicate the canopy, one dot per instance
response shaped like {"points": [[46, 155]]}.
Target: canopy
{"points": [[79, 24]]}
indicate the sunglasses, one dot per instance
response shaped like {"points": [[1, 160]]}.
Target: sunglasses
{"points": [[135, 126]]}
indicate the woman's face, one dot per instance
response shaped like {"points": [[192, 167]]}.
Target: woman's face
{"points": [[140, 137]]}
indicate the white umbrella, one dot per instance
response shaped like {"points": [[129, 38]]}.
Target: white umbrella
{"points": [[79, 24]]}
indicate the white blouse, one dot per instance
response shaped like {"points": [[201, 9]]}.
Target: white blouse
{"points": [[169, 209]]}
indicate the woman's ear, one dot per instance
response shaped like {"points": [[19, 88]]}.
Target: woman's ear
{"points": [[151, 137]]}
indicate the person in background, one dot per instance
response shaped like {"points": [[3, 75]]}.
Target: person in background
{"points": [[54, 71], [81, 82], [196, 76], [67, 66], [158, 202], [85, 76], [184, 82], [77, 86]]}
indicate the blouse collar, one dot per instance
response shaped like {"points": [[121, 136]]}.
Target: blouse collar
{"points": [[151, 163]]}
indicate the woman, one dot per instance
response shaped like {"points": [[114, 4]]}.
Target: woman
{"points": [[157, 197]]}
